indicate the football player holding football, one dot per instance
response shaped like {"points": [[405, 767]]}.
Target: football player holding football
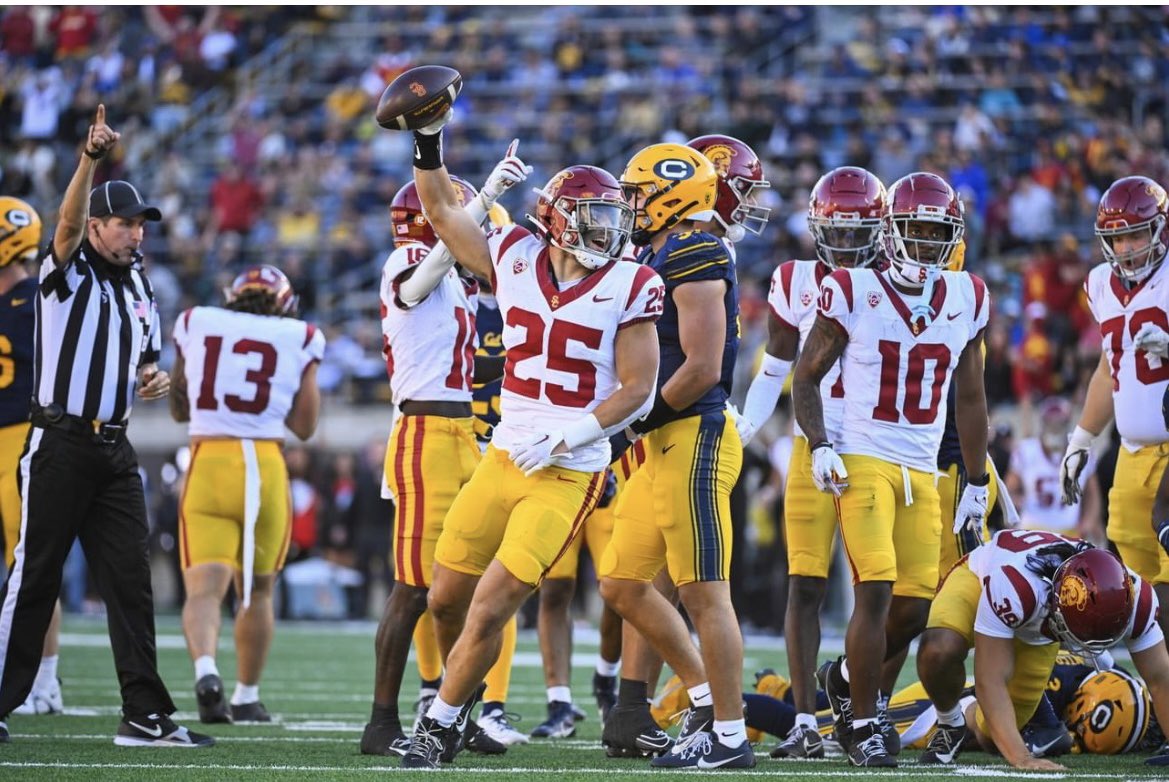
{"points": [[581, 364], [901, 334]]}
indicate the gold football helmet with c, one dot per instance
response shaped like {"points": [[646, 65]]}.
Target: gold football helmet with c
{"points": [[1109, 713], [20, 231], [665, 184]]}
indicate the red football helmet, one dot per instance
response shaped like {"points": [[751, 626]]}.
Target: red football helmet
{"points": [[410, 224], [1130, 223], [844, 216], [581, 211], [739, 174], [1055, 421], [267, 279], [1091, 602], [923, 226]]}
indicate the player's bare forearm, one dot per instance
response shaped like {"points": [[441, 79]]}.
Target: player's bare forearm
{"points": [[636, 359], [457, 229], [702, 329], [180, 403], [782, 340], [994, 664], [971, 415], [826, 343], [1098, 403], [306, 405], [488, 368]]}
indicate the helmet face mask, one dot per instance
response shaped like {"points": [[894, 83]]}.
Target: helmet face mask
{"points": [[844, 217], [581, 211], [1131, 227]]}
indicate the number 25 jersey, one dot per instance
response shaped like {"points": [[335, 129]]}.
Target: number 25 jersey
{"points": [[896, 369], [560, 339], [243, 370]]}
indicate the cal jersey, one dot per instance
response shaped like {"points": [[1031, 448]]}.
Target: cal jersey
{"points": [[1038, 471], [1138, 379], [695, 256], [17, 325], [1014, 602], [560, 337], [485, 396], [429, 347], [896, 369], [795, 289], [243, 370]]}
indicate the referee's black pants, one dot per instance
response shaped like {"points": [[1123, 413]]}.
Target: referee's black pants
{"points": [[74, 486]]}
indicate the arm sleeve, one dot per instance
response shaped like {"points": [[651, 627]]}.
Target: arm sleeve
{"points": [[765, 389], [413, 287]]}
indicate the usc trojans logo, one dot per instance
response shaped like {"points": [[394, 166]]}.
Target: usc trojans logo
{"points": [[556, 181], [1157, 192], [417, 89], [460, 193], [1073, 593], [721, 155]]}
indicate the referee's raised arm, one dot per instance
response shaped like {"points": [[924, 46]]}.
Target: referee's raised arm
{"points": [[74, 213]]}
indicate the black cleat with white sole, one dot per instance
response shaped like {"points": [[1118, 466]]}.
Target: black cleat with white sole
{"points": [[157, 730], [630, 732]]}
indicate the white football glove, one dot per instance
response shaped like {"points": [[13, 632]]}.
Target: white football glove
{"points": [[535, 453], [507, 173], [972, 508], [1074, 461], [1152, 339], [437, 125], [828, 471], [742, 425]]}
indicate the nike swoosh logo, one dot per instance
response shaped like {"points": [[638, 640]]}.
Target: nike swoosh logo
{"points": [[599, 299], [704, 763], [668, 447], [652, 742], [1036, 749], [769, 374], [417, 154], [566, 480], [951, 317], [156, 731], [18, 302]]}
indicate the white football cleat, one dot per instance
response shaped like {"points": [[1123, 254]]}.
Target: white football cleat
{"points": [[46, 701]]}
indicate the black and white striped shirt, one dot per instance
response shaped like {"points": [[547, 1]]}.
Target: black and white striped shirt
{"points": [[96, 323]]}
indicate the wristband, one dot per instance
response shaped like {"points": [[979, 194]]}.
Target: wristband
{"points": [[659, 415], [981, 481], [1081, 439], [94, 155], [819, 445], [582, 431], [428, 151]]}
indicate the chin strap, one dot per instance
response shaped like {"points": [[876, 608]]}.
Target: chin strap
{"points": [[923, 309]]}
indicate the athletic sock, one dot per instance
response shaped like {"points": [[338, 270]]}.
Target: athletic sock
{"points": [[700, 695], [559, 694], [47, 673], [952, 717], [631, 692], [245, 693], [606, 668], [730, 733], [205, 666], [443, 713]]}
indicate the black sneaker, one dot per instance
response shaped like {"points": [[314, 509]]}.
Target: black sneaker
{"points": [[1047, 742], [605, 691], [801, 742], [945, 745], [249, 712], [209, 696], [479, 741], [157, 730], [560, 723], [630, 732], [4, 737], [832, 683], [461, 725], [428, 744], [384, 739], [868, 748]]}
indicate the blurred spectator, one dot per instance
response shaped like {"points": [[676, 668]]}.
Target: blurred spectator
{"points": [[236, 202], [74, 28], [1030, 211], [306, 504], [1036, 357]]}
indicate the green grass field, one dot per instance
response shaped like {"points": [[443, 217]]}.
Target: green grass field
{"points": [[317, 687]]}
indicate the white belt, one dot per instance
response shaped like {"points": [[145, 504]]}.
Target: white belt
{"points": [[251, 515]]}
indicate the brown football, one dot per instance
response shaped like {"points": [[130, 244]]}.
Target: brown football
{"points": [[418, 97]]}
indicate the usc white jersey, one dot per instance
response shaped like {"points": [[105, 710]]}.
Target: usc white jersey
{"points": [[1016, 597], [1038, 471], [560, 340], [243, 370], [795, 289], [429, 347], [896, 370], [1138, 379]]}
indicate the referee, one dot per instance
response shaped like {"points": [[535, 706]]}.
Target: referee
{"points": [[97, 337]]}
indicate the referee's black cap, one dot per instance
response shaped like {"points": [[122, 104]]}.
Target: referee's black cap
{"points": [[121, 199]]}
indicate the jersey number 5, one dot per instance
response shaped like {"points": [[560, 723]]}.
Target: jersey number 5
{"points": [[919, 354], [261, 377], [559, 335]]}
